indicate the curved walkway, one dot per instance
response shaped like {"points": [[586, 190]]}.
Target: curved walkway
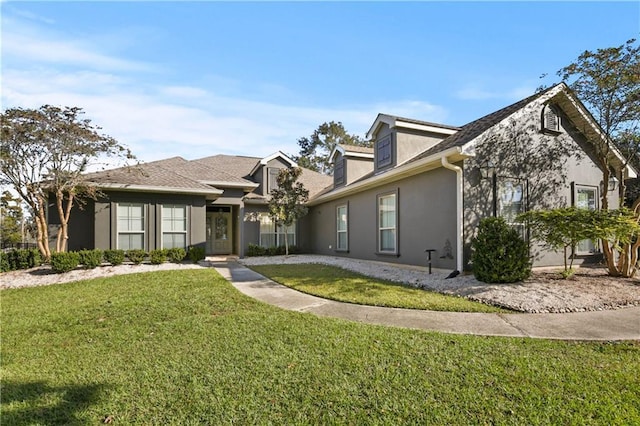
{"points": [[621, 324]]}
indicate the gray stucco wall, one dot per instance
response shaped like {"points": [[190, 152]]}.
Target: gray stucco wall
{"points": [[105, 233], [426, 220], [552, 164]]}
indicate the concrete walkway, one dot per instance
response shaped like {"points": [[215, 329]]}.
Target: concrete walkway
{"points": [[621, 324]]}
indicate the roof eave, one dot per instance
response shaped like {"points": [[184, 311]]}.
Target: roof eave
{"points": [[158, 189], [409, 169]]}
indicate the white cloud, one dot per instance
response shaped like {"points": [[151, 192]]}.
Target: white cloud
{"points": [[158, 120]]}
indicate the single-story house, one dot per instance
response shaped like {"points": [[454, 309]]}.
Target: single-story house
{"points": [[422, 186]]}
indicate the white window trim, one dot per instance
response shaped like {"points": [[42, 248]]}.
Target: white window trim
{"points": [[144, 223], [279, 233], [346, 227], [394, 227], [186, 224], [596, 190]]}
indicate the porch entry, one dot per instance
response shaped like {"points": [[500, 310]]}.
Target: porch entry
{"points": [[219, 230]]}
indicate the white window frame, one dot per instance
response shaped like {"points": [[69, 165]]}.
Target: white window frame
{"points": [[128, 217], [344, 231], [174, 232], [593, 246], [393, 228], [265, 220]]}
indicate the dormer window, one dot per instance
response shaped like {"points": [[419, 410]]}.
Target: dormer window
{"points": [[273, 178], [338, 172], [383, 152], [550, 120]]}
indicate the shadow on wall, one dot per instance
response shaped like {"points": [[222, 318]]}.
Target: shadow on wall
{"points": [[519, 152]]}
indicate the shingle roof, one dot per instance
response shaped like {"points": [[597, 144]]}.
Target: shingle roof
{"points": [[181, 174], [234, 165], [470, 131], [150, 175]]}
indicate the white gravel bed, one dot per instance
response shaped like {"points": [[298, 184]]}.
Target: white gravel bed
{"points": [[43, 275], [590, 290]]}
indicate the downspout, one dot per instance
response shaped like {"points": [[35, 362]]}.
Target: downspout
{"points": [[459, 243]]}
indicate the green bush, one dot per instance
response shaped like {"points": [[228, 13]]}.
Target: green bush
{"points": [[255, 250], [114, 257], [176, 254], [158, 256], [4, 261], [499, 254], [136, 255], [64, 261], [20, 259], [90, 258], [196, 253]]}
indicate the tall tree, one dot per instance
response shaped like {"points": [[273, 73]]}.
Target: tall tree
{"points": [[46, 151], [286, 204], [607, 81], [11, 219], [316, 149]]}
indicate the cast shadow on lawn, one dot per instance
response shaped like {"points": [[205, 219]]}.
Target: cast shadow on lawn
{"points": [[71, 401]]}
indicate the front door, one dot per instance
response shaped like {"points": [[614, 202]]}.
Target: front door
{"points": [[219, 232]]}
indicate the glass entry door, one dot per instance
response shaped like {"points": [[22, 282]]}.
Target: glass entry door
{"points": [[219, 232]]}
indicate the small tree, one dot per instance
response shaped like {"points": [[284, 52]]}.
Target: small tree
{"points": [[562, 228], [287, 201], [46, 151]]}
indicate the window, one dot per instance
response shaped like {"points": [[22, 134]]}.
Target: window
{"points": [[131, 226], [269, 237], [174, 226], [383, 152], [550, 120], [586, 197], [338, 172], [387, 235], [342, 235], [273, 178], [512, 195]]}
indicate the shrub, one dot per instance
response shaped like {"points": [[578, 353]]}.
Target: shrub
{"points": [[64, 261], [176, 254], [158, 256], [196, 253], [499, 254], [4, 262], [20, 259], [90, 258], [114, 257], [136, 255], [255, 250]]}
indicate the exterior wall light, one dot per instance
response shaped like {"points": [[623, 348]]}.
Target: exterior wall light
{"points": [[487, 169]]}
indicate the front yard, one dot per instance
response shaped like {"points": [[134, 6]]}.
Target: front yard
{"points": [[185, 347]]}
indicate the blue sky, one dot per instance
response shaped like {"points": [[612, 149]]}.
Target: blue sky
{"points": [[202, 78]]}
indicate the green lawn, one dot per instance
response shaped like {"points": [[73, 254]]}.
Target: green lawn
{"points": [[339, 284], [184, 347]]}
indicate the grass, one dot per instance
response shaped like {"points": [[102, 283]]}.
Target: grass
{"points": [[184, 347], [342, 285]]}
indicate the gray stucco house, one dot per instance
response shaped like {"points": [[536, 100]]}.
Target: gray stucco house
{"points": [[422, 186]]}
